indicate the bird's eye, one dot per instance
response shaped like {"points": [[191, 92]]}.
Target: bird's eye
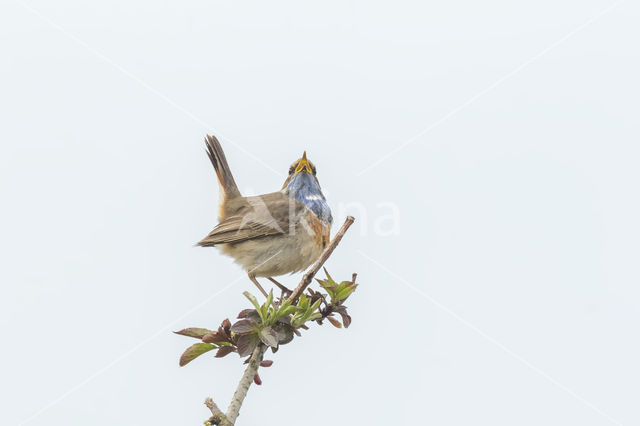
{"points": [[313, 170], [291, 170]]}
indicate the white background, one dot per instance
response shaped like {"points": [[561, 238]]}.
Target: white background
{"points": [[507, 296]]}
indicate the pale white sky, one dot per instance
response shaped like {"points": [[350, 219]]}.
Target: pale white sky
{"points": [[507, 294]]}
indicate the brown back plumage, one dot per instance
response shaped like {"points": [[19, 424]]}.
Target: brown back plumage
{"points": [[256, 217], [219, 161]]}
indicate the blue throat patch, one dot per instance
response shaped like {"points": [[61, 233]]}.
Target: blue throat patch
{"points": [[304, 188]]}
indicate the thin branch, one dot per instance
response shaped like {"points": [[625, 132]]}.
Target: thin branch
{"points": [[306, 279], [245, 382]]}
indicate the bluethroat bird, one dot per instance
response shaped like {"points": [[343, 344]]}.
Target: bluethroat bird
{"points": [[271, 234]]}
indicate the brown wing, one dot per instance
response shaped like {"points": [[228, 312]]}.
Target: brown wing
{"points": [[256, 217]]}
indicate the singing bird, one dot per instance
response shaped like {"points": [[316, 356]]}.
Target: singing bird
{"points": [[271, 234]]}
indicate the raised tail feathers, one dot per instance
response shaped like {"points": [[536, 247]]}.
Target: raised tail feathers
{"points": [[219, 161]]}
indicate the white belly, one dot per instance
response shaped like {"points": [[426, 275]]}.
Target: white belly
{"points": [[274, 255]]}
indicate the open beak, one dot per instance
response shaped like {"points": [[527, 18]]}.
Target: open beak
{"points": [[303, 165]]}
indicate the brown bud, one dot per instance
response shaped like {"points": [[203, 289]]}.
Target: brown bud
{"points": [[334, 322]]}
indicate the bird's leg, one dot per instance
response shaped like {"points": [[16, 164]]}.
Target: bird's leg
{"points": [[255, 281], [284, 289]]}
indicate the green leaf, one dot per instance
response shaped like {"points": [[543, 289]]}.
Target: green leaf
{"points": [[328, 276], [194, 352], [323, 283], [297, 320], [264, 309], [303, 302], [345, 291], [255, 303], [283, 312], [315, 306], [313, 317], [329, 288], [276, 313], [197, 333]]}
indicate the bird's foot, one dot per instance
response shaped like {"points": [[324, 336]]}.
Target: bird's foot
{"points": [[285, 291]]}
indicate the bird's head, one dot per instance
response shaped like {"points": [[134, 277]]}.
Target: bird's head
{"points": [[303, 185], [301, 170]]}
